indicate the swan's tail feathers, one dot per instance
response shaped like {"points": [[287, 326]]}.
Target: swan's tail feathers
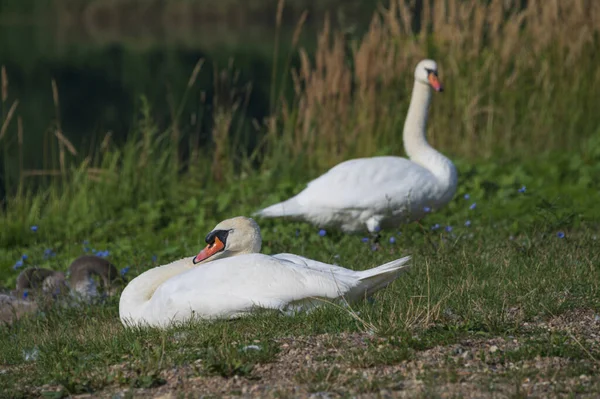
{"points": [[289, 208], [372, 280]]}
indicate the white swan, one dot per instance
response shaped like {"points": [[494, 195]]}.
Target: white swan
{"points": [[385, 191], [229, 278]]}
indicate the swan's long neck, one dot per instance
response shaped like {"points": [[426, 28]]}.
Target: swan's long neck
{"points": [[140, 290], [415, 142]]}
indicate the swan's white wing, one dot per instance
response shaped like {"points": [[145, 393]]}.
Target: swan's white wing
{"points": [[314, 264], [233, 286], [374, 183]]}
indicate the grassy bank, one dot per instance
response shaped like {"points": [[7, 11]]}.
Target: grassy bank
{"points": [[483, 312], [504, 289]]}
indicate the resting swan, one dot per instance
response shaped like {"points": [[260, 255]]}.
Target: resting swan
{"points": [[385, 191], [229, 278]]}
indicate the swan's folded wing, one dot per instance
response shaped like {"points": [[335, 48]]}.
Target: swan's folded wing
{"points": [[367, 183], [314, 264], [232, 286]]}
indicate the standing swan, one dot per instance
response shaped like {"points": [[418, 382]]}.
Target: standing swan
{"points": [[381, 192], [229, 278]]}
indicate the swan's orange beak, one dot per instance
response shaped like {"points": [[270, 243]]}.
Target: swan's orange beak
{"points": [[209, 251], [435, 82]]}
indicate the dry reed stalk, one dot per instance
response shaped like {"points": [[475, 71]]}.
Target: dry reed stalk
{"points": [[8, 118], [65, 142], [105, 141], [176, 113], [298, 29], [279, 13], [195, 72], [4, 84], [278, 18], [57, 132], [344, 101], [42, 172], [220, 137], [99, 174], [20, 143]]}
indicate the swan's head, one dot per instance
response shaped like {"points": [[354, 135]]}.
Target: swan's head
{"points": [[239, 235], [427, 72]]}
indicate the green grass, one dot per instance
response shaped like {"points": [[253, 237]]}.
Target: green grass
{"points": [[507, 268]]}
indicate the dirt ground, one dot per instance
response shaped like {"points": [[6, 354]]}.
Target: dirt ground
{"points": [[325, 366]]}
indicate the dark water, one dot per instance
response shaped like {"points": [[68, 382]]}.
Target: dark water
{"points": [[104, 55]]}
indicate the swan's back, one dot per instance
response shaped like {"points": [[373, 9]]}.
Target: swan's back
{"points": [[369, 183], [231, 286]]}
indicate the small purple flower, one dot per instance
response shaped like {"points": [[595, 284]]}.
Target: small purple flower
{"points": [[34, 228], [103, 254], [18, 264], [297, 233], [86, 242], [377, 229], [364, 239], [523, 189], [435, 227], [24, 257], [25, 294], [467, 196], [473, 206], [125, 270], [373, 247], [392, 240], [322, 233], [154, 258], [427, 209], [560, 234], [448, 229], [468, 223]]}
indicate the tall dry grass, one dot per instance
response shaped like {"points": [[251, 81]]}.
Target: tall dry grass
{"points": [[517, 79]]}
